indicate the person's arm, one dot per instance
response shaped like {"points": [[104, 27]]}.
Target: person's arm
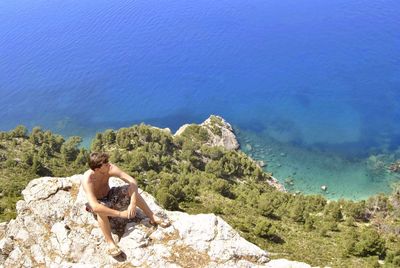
{"points": [[133, 188], [96, 206]]}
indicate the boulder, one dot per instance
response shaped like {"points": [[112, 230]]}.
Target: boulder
{"points": [[261, 163]]}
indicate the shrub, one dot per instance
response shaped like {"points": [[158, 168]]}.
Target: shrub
{"points": [[357, 210], [222, 187], [263, 229], [333, 211], [19, 132], [82, 157], [267, 204], [167, 200], [10, 163], [37, 136], [296, 212], [393, 257], [370, 243], [109, 136], [69, 150]]}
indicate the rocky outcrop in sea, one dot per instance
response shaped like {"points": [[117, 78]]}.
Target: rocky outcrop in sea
{"points": [[219, 131]]}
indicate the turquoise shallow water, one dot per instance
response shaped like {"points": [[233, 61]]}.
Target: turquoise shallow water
{"points": [[316, 80], [305, 170]]}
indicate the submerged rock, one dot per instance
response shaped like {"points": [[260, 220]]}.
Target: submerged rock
{"points": [[395, 166], [289, 181], [261, 163]]}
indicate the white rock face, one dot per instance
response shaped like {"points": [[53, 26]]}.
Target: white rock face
{"points": [[220, 133], [225, 136], [3, 227], [53, 229], [181, 129]]}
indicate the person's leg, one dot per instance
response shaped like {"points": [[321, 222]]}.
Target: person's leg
{"points": [[105, 227], [141, 203], [104, 223]]}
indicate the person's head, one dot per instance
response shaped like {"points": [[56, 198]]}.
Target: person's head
{"points": [[97, 160]]}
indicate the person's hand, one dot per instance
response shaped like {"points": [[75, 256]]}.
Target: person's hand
{"points": [[131, 211], [123, 214]]}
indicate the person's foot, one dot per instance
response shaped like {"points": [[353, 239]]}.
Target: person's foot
{"points": [[113, 250], [164, 223]]}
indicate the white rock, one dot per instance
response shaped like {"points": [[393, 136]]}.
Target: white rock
{"points": [[261, 163], [6, 246], [226, 138], [54, 230], [38, 254], [181, 129], [44, 187], [196, 230], [60, 238], [22, 235], [14, 259], [3, 227]]}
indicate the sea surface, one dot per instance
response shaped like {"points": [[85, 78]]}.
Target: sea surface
{"points": [[311, 87]]}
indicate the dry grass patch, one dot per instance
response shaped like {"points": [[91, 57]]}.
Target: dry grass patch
{"points": [[186, 256]]}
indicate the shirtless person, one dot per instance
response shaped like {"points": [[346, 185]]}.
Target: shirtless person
{"points": [[118, 202]]}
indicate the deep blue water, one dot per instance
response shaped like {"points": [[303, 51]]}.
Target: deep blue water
{"points": [[315, 75]]}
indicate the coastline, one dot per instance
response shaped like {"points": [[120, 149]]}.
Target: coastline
{"points": [[298, 170], [304, 171]]}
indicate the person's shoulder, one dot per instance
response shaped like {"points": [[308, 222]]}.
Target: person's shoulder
{"points": [[114, 170], [87, 176]]}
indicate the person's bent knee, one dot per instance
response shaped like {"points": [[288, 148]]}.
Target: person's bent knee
{"points": [[102, 216], [131, 189]]}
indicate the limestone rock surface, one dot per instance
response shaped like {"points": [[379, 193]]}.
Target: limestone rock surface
{"points": [[220, 132], [52, 229]]}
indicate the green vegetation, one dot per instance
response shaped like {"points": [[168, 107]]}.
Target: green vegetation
{"points": [[24, 157], [184, 174]]}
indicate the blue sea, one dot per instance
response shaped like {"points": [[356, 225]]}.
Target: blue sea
{"points": [[311, 87]]}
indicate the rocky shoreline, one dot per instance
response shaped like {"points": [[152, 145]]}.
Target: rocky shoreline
{"points": [[221, 133]]}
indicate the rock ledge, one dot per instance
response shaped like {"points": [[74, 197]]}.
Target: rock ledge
{"points": [[52, 229]]}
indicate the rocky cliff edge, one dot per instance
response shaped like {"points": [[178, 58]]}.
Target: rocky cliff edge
{"points": [[52, 229]]}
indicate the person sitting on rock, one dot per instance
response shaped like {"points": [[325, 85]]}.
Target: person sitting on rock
{"points": [[119, 202]]}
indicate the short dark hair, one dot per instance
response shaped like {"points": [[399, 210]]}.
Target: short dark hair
{"points": [[96, 160]]}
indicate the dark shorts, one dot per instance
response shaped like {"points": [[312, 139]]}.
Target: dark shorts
{"points": [[117, 198]]}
